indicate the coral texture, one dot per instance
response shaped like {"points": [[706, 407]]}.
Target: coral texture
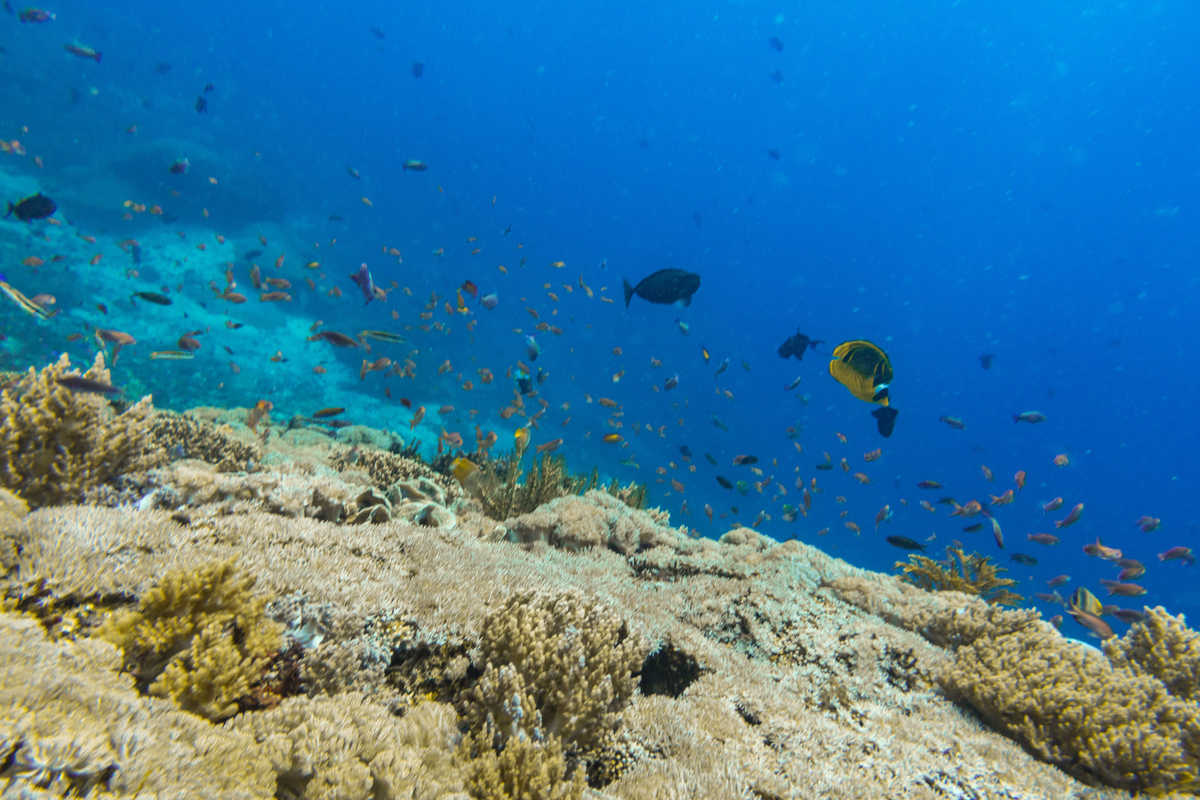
{"points": [[186, 436], [960, 572], [596, 519], [199, 637], [556, 667], [1163, 647], [56, 444], [1074, 708]]}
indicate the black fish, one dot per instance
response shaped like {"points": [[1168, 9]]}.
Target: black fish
{"points": [[972, 528], [776, 44], [685, 451], [201, 104], [824, 466], [36, 206], [904, 543], [154, 297], [885, 420], [1021, 558], [725, 482], [986, 360], [797, 345], [709, 458], [78, 383], [418, 69], [252, 254], [665, 286]]}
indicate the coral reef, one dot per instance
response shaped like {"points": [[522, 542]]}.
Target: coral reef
{"points": [[186, 436], [556, 667], [1163, 647], [72, 725], [596, 519], [760, 682], [199, 637], [385, 469], [960, 572], [56, 444], [505, 491], [347, 746], [1101, 720]]}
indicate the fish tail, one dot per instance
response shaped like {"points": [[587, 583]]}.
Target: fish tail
{"points": [[11, 207], [625, 283]]}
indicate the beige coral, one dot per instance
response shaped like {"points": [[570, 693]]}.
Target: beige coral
{"points": [[70, 724], [596, 519], [1164, 647], [348, 746], [556, 667], [199, 637], [56, 444], [193, 437]]}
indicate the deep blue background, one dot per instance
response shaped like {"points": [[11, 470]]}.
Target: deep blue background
{"points": [[954, 178]]}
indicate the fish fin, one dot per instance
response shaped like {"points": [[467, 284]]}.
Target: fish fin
{"points": [[10, 210], [625, 283]]}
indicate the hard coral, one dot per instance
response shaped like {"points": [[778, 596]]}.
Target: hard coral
{"points": [[71, 725], [567, 666], [596, 519], [1163, 647], [524, 770], [960, 572], [199, 637], [348, 746], [186, 436], [1100, 720], [56, 444]]}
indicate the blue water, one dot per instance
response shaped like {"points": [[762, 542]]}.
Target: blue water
{"points": [[952, 179]]}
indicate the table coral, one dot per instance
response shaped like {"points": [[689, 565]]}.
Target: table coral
{"points": [[56, 444]]}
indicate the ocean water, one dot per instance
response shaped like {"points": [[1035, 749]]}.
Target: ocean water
{"points": [[945, 179]]}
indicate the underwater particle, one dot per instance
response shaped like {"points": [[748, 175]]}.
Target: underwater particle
{"points": [[986, 360], [418, 69]]}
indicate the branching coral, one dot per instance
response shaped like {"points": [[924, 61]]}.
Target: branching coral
{"points": [[960, 572], [1099, 720], [556, 667], [187, 437], [524, 770], [1163, 647], [199, 637], [596, 519], [56, 443]]}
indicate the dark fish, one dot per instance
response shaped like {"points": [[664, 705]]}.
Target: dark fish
{"points": [[986, 360], [709, 458], [162, 68], [904, 543], [973, 528], [418, 69], [796, 345], [665, 286], [776, 44], [36, 206], [1021, 558], [328, 412], [78, 383], [336, 218], [885, 420], [685, 451], [929, 485], [208, 87], [744, 459], [201, 104], [773, 153], [364, 281], [154, 297], [334, 338], [377, 32], [725, 482], [777, 76], [252, 254], [824, 466]]}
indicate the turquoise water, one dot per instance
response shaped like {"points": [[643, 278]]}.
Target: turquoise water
{"points": [[947, 180]]}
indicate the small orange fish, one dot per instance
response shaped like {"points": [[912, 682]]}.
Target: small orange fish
{"points": [[96, 259], [873, 455], [1061, 460], [1019, 478], [611, 438], [33, 261], [861, 478], [417, 417], [550, 446], [987, 473], [853, 526], [1003, 499], [1071, 518]]}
